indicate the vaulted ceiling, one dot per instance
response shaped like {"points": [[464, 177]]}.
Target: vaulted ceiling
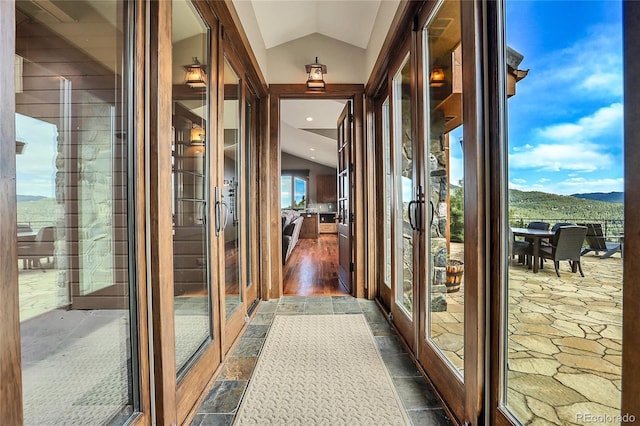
{"points": [[290, 33], [348, 21]]}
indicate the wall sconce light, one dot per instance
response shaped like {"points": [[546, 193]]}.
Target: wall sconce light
{"points": [[197, 135], [196, 74], [436, 78], [20, 147], [316, 73]]}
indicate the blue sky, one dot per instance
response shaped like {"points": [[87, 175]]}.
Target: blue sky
{"points": [[565, 122], [35, 167]]}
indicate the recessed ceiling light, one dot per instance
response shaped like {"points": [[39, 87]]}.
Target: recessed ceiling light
{"points": [[312, 149], [309, 118], [313, 158]]}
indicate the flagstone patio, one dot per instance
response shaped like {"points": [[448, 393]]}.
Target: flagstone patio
{"points": [[564, 341]]}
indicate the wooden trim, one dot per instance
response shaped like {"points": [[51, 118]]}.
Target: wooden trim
{"points": [[476, 222], [139, 215], [159, 225], [267, 226], [372, 218], [399, 30], [498, 216], [10, 358], [354, 92], [229, 20], [631, 293]]}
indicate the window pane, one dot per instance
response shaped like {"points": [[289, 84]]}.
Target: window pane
{"points": [[300, 193], [286, 188], [231, 190], [386, 172], [446, 289], [565, 109], [190, 176], [403, 156], [74, 138]]}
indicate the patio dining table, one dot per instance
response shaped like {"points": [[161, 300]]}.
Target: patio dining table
{"points": [[536, 236]]}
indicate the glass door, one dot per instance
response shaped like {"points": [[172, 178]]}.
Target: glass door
{"points": [[249, 197], [385, 197], [443, 344], [404, 194], [190, 150]]}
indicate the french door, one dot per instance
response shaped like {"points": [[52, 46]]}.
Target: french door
{"points": [[345, 226]]}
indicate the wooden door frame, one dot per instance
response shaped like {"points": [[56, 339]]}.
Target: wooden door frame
{"points": [[355, 93]]}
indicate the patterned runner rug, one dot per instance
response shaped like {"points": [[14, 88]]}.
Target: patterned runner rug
{"points": [[323, 370]]}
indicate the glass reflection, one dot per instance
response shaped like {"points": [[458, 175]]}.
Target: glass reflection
{"points": [[403, 157], [443, 69], [386, 172], [72, 164], [190, 175], [231, 190]]}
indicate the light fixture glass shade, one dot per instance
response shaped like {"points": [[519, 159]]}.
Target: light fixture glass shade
{"points": [[436, 78], [196, 74], [316, 72], [197, 135]]}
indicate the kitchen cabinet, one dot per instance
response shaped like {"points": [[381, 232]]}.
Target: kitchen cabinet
{"points": [[328, 223], [310, 226], [326, 189]]}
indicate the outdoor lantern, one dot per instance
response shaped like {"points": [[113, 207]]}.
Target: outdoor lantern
{"points": [[436, 78], [197, 135], [316, 73], [196, 74]]}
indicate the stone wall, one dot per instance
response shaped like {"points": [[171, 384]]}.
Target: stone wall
{"points": [[437, 203]]}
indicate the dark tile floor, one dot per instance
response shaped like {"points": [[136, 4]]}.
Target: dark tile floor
{"points": [[223, 400]]}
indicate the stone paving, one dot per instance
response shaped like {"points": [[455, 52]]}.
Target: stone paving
{"points": [[564, 342]]}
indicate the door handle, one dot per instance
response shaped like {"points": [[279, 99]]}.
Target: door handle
{"points": [[219, 204], [409, 210]]}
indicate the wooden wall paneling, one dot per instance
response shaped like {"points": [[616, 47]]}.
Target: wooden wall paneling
{"points": [[10, 361], [159, 225], [631, 291], [475, 195]]}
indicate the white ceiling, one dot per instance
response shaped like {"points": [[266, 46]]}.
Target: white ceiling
{"points": [[298, 141], [280, 22], [348, 21]]}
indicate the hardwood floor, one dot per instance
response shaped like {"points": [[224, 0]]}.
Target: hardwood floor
{"points": [[312, 268]]}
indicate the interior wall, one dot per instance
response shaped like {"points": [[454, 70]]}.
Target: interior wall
{"points": [[385, 16], [252, 30], [286, 62], [291, 162]]}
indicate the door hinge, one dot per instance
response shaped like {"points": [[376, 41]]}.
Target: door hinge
{"points": [[350, 118], [352, 267], [352, 217], [390, 317]]}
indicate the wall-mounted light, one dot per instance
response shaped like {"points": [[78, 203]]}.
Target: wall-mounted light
{"points": [[20, 147], [197, 135], [196, 74], [316, 73], [436, 78]]}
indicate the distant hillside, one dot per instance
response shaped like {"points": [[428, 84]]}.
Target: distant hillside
{"points": [[22, 198], [37, 211], [609, 197], [557, 208]]}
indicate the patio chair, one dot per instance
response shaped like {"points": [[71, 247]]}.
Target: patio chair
{"points": [[597, 243], [519, 248], [43, 245], [568, 247]]}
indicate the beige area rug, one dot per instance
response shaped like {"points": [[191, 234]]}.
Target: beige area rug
{"points": [[322, 370]]}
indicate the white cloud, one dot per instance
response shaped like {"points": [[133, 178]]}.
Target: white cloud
{"points": [[604, 120], [519, 181], [556, 157], [573, 186]]}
